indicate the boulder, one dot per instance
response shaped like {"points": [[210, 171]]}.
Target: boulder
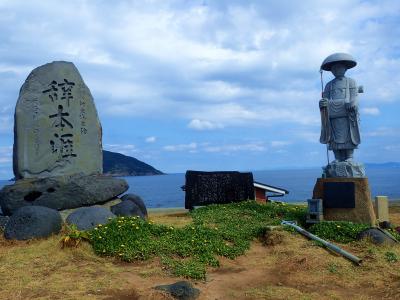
{"points": [[57, 131], [137, 200], [376, 235], [61, 192], [33, 222], [127, 209], [86, 218], [66, 212], [182, 290]]}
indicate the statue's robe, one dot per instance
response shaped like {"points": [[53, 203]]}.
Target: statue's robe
{"points": [[340, 127]]}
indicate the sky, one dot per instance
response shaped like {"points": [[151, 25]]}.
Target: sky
{"points": [[210, 85]]}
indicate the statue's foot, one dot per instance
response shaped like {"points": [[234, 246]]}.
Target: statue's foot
{"points": [[350, 160]]}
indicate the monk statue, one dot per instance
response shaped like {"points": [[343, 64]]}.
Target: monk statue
{"points": [[340, 118]]}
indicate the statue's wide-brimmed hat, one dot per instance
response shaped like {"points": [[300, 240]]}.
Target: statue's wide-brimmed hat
{"points": [[344, 58]]}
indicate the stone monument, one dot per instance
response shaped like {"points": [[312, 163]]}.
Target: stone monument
{"points": [[57, 131], [57, 157], [344, 187]]}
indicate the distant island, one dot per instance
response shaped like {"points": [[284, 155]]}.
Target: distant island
{"points": [[117, 164]]}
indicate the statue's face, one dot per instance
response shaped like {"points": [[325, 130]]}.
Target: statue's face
{"points": [[338, 70]]}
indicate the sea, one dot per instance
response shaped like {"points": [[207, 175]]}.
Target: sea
{"points": [[164, 191]]}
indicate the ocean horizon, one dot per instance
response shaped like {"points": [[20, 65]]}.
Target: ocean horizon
{"points": [[164, 191]]}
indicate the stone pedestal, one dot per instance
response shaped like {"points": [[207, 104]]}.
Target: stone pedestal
{"points": [[361, 212], [347, 169]]}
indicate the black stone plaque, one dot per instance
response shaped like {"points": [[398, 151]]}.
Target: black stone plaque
{"points": [[204, 188], [339, 195]]}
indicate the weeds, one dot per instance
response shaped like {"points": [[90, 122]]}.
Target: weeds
{"points": [[391, 257], [73, 237]]}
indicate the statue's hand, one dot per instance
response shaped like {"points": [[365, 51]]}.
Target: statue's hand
{"points": [[323, 103]]}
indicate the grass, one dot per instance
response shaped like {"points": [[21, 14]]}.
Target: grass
{"points": [[216, 231], [292, 268]]}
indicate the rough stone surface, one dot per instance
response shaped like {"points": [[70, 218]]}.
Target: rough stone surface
{"points": [[61, 192], [57, 131], [3, 221], [204, 188], [344, 169], [137, 200], [86, 218], [377, 236], [363, 211], [182, 290], [33, 222], [66, 212], [127, 209]]}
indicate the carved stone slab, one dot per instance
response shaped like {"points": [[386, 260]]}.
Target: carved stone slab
{"points": [[57, 131]]}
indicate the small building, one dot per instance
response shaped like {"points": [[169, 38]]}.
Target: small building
{"points": [[263, 191]]}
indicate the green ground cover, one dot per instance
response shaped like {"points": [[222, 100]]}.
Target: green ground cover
{"points": [[216, 230]]}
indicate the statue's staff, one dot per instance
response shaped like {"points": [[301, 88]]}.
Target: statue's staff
{"points": [[325, 117]]}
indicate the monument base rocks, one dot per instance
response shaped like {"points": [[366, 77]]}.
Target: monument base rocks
{"points": [[33, 222], [344, 169], [62, 192], [345, 199]]}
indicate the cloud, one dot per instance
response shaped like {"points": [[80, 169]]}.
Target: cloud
{"points": [[181, 147], [6, 155], [372, 111], [277, 144], [203, 125], [126, 149], [217, 148], [6, 124], [244, 66], [392, 148], [150, 139], [248, 147], [383, 132]]}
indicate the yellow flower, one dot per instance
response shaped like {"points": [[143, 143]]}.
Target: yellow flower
{"points": [[122, 245], [95, 228], [99, 225], [137, 227], [338, 226]]}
